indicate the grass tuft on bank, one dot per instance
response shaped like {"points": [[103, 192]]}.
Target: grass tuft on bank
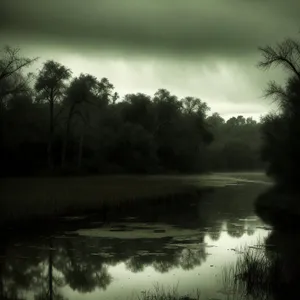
{"points": [[161, 293]]}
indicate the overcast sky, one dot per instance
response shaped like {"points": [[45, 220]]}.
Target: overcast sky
{"points": [[202, 48]]}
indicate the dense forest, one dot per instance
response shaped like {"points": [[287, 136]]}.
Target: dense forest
{"points": [[281, 130], [53, 122]]}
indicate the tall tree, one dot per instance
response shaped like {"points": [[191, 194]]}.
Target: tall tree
{"points": [[85, 97], [51, 85], [281, 131], [12, 80], [11, 65]]}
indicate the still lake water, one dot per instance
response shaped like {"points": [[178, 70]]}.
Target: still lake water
{"points": [[186, 244]]}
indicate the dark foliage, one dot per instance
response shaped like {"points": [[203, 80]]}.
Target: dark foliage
{"points": [[281, 130], [52, 123]]}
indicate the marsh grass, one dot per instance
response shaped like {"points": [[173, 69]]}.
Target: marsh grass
{"points": [[162, 293], [231, 287], [256, 274]]}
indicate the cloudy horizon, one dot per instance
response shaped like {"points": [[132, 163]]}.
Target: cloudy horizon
{"points": [[205, 49]]}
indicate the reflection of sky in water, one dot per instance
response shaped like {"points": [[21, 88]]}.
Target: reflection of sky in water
{"points": [[192, 254], [206, 278]]}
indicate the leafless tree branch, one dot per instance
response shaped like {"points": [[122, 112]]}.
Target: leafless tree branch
{"points": [[286, 54], [278, 93], [12, 62]]}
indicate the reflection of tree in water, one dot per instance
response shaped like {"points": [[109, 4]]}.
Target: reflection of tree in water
{"points": [[250, 231], [161, 262], [235, 227], [215, 230], [29, 268], [45, 271], [163, 266], [190, 258], [48, 282], [17, 272], [186, 258], [135, 264], [82, 262], [229, 205], [82, 265], [85, 281], [82, 272]]}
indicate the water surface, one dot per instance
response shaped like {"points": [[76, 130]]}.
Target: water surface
{"points": [[184, 242]]}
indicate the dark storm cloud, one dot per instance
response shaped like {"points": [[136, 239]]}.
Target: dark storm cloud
{"points": [[202, 48], [227, 28]]}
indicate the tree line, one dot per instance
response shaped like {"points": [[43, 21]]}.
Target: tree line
{"points": [[281, 129], [55, 123]]}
